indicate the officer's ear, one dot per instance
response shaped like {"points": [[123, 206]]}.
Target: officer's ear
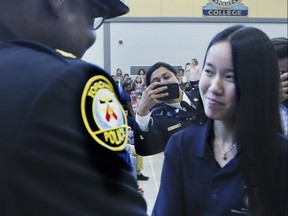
{"points": [[55, 6]]}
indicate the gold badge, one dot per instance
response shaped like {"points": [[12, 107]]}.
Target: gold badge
{"points": [[103, 115]]}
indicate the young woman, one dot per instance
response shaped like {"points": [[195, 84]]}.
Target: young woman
{"points": [[158, 119], [139, 84], [119, 77], [236, 162]]}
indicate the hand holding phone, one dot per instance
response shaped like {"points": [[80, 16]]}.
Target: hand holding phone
{"points": [[172, 90]]}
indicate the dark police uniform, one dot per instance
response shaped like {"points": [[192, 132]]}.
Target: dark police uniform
{"points": [[192, 183], [63, 132], [165, 120]]}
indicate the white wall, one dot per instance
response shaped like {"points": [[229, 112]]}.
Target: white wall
{"points": [[176, 43]]}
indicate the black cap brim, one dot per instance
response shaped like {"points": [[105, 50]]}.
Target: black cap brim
{"points": [[116, 7]]}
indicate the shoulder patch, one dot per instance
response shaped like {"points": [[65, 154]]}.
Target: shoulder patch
{"points": [[103, 115]]}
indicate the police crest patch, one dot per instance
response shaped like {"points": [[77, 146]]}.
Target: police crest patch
{"points": [[103, 115], [225, 8], [225, 3]]}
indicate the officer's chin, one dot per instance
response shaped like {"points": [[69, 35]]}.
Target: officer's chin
{"points": [[90, 40]]}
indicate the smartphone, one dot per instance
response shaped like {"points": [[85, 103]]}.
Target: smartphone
{"points": [[172, 90]]}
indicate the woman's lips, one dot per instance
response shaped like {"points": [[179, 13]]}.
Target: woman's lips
{"points": [[213, 101]]}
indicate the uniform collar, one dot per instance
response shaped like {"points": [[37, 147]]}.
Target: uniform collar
{"points": [[204, 148], [6, 34], [172, 111], [177, 105], [186, 98], [203, 133]]}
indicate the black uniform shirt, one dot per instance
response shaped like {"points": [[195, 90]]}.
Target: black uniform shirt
{"points": [[62, 132]]}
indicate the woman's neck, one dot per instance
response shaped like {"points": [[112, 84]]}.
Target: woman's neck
{"points": [[224, 131], [224, 142]]}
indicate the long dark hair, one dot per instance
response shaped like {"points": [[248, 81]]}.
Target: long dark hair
{"points": [[257, 116]]}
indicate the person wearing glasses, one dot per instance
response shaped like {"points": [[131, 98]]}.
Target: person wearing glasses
{"points": [[63, 131]]}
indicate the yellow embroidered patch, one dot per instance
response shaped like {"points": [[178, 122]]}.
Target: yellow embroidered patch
{"points": [[103, 115], [66, 54]]}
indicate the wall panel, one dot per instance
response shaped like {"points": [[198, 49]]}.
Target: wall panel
{"points": [[172, 40], [193, 8]]}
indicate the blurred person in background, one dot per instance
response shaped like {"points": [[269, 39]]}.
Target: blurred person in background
{"points": [[281, 47]]}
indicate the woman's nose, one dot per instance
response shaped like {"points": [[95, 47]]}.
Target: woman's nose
{"points": [[216, 86]]}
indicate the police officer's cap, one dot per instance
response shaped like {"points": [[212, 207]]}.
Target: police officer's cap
{"points": [[115, 7]]}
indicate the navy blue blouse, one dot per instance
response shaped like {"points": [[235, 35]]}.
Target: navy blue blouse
{"points": [[193, 183]]}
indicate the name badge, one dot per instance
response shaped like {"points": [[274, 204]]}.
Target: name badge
{"points": [[173, 127]]}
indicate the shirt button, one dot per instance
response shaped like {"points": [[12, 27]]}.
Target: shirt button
{"points": [[214, 196]]}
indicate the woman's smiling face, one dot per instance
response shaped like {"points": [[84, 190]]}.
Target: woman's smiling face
{"points": [[217, 87]]}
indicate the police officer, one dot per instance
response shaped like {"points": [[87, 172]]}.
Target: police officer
{"points": [[63, 130], [158, 119]]}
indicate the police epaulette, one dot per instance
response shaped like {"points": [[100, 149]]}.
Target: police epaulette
{"points": [[42, 47], [66, 54]]}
